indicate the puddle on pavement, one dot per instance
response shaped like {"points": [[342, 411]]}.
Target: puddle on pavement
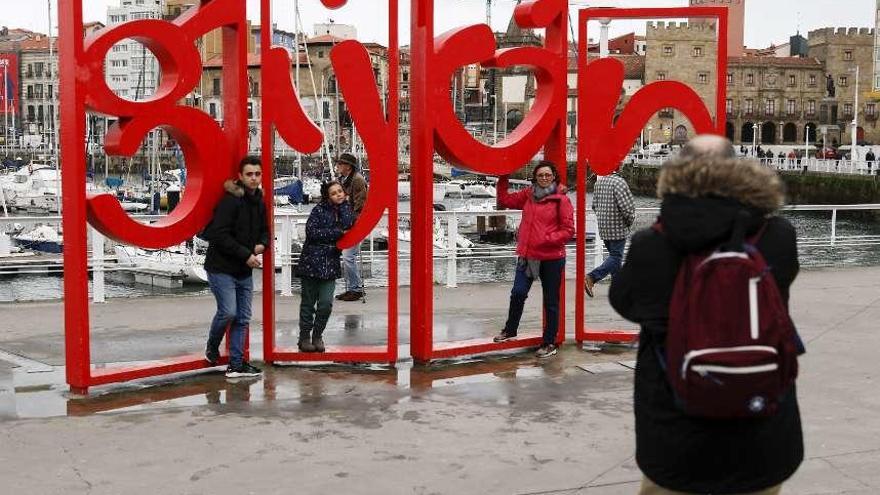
{"points": [[40, 395]]}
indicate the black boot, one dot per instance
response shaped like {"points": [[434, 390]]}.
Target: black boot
{"points": [[318, 342], [305, 343]]}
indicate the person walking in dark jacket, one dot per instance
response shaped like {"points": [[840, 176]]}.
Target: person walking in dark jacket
{"points": [[319, 264], [703, 193], [237, 235], [547, 224], [355, 187]]}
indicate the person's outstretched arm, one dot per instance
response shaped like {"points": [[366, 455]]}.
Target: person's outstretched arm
{"points": [[515, 201]]}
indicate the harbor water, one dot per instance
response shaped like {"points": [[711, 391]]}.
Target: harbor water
{"points": [[854, 229]]}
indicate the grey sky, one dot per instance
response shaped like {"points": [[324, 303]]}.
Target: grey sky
{"points": [[766, 21]]}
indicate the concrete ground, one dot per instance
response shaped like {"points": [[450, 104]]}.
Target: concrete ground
{"points": [[504, 424]]}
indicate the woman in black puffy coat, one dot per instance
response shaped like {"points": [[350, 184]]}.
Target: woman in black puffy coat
{"points": [[319, 264]]}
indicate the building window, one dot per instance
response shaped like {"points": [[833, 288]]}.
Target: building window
{"points": [[30, 92], [790, 107], [698, 51], [847, 54], [792, 80], [30, 113], [703, 77], [750, 106], [212, 109], [668, 50], [770, 106], [216, 86], [750, 79], [847, 109], [730, 79], [871, 109], [320, 53], [811, 107], [812, 79], [729, 106], [661, 76], [843, 81], [250, 110]]}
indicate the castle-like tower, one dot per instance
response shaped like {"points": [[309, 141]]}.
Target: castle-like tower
{"points": [[737, 16]]}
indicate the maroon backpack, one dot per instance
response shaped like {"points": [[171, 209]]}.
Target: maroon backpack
{"points": [[730, 347]]}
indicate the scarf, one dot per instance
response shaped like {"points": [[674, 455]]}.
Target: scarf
{"points": [[542, 192]]}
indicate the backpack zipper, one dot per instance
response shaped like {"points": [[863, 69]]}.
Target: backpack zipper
{"points": [[702, 352]]}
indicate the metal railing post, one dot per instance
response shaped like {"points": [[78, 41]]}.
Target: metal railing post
{"points": [[286, 269], [597, 258], [833, 226], [98, 290], [452, 252]]}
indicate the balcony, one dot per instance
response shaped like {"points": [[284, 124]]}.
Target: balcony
{"points": [[871, 117]]}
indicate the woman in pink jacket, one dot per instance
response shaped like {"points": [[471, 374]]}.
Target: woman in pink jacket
{"points": [[547, 224]]}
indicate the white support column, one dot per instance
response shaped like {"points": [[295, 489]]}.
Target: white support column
{"points": [[452, 252], [286, 272], [603, 38], [833, 227], [98, 292]]}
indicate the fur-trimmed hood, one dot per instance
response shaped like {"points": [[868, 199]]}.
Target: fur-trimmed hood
{"points": [[236, 189], [705, 198], [744, 181]]}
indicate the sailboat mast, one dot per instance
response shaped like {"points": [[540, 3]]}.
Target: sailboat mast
{"points": [[296, 74]]}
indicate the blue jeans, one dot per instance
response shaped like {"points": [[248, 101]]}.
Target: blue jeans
{"points": [[550, 273], [233, 306], [350, 270], [612, 263]]}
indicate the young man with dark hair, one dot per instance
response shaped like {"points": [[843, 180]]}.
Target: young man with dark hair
{"points": [[237, 234], [355, 187]]}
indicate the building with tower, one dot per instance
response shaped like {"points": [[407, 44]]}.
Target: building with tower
{"points": [[736, 19]]}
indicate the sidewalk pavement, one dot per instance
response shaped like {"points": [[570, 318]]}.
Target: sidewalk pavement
{"points": [[503, 424]]}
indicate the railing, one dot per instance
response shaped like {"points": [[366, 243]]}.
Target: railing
{"points": [[855, 167], [450, 225]]}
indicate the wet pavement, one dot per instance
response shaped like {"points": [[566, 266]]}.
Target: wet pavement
{"points": [[499, 424]]}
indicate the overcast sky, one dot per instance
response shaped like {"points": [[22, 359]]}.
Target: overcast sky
{"points": [[766, 21]]}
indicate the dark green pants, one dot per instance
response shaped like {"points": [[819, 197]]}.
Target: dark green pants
{"points": [[315, 305]]}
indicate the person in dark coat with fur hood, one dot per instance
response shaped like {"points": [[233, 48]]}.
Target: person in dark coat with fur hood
{"points": [[704, 191], [237, 235], [319, 264]]}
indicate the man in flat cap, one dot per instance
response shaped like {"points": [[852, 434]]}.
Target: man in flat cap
{"points": [[355, 187]]}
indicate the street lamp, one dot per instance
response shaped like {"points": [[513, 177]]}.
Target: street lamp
{"points": [[755, 128], [855, 122], [650, 131], [494, 119]]}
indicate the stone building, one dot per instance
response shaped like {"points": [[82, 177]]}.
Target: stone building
{"points": [[39, 92], [686, 53], [777, 97], [841, 51]]}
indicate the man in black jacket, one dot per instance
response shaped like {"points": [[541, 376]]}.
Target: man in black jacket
{"points": [[237, 235]]}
